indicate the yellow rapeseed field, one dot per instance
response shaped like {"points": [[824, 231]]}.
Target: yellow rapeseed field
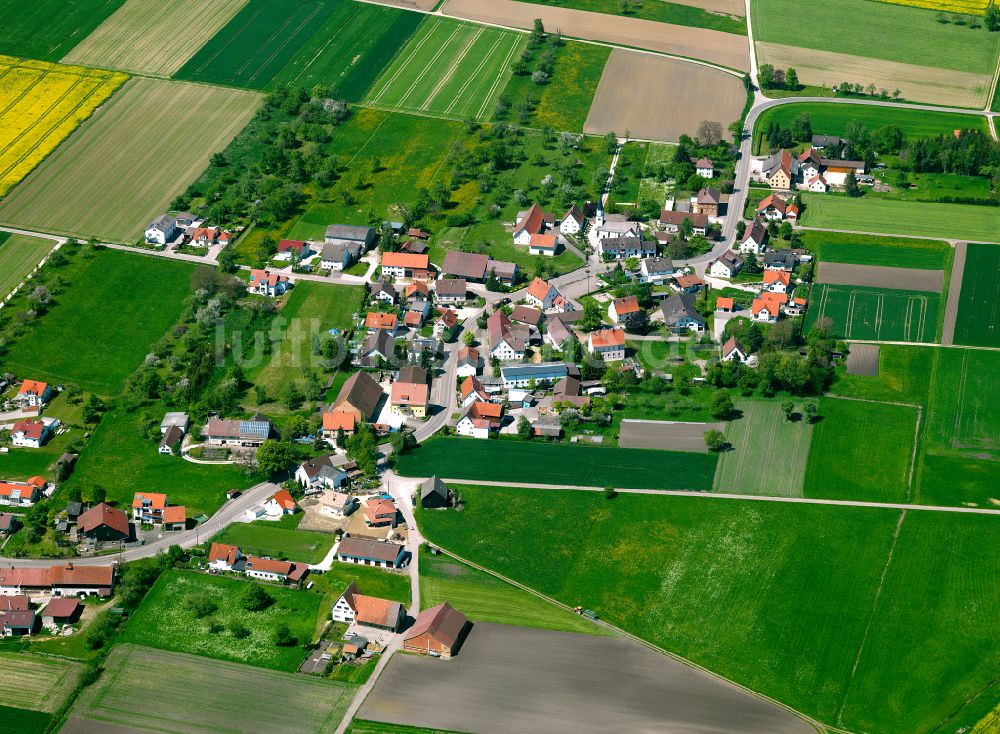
{"points": [[968, 7], [40, 104]]}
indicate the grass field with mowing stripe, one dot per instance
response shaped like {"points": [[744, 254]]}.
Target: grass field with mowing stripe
{"points": [[133, 298], [449, 68], [37, 682], [163, 623], [195, 695], [978, 322], [762, 439], [42, 104], [124, 165], [898, 252], [19, 254], [886, 216], [524, 461], [153, 39], [861, 451], [261, 538], [859, 312], [483, 598], [48, 29], [828, 118], [312, 308]]}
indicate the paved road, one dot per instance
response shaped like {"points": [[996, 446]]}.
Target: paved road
{"points": [[731, 496]]}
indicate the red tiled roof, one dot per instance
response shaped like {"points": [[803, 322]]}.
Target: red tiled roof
{"points": [[771, 301], [174, 514], [30, 427], [156, 501], [539, 289], [338, 419], [608, 338], [723, 302], [376, 320], [103, 514], [269, 565], [626, 305], [284, 499], [32, 386], [293, 245], [781, 276], [223, 552], [408, 393], [61, 607], [532, 220], [406, 260], [542, 241]]}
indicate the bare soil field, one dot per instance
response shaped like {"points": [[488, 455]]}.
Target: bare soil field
{"points": [[513, 680], [863, 360], [878, 276], [644, 434], [407, 4], [728, 7], [194, 696], [916, 83], [153, 38], [124, 165], [676, 96], [725, 49], [954, 294]]}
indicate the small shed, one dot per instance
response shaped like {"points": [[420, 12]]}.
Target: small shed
{"points": [[434, 494]]}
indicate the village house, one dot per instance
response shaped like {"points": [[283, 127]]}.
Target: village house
{"points": [[207, 236], [383, 291], [623, 248], [777, 281], [417, 312], [104, 523], [222, 557], [572, 221], [437, 632], [608, 344], [724, 304], [727, 265], [503, 271], [33, 394], [446, 322], [22, 494], [543, 244], [244, 433], [276, 572], [409, 399], [774, 208], [688, 283], [16, 622], [170, 442], [380, 511], [434, 494], [451, 291], [64, 580], [507, 342], [680, 314], [624, 311], [569, 390], [822, 142], [795, 307], [528, 316], [469, 362], [558, 333], [377, 348], [368, 611], [417, 289], [367, 552], [705, 168], [472, 390], [526, 375], [671, 221], [466, 265], [280, 503], [706, 202], [754, 240], [780, 260], [541, 294], [613, 229], [778, 171], [147, 508], [320, 473], [9, 523], [377, 320], [767, 307], [32, 433], [293, 249], [265, 283], [337, 504], [479, 419], [529, 222], [833, 171], [656, 270], [161, 230], [338, 256], [405, 265], [733, 351], [174, 518]]}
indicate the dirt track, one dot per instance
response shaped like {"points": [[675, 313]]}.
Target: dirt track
{"points": [[878, 276], [726, 49], [515, 680], [676, 96], [954, 294], [863, 360], [407, 4], [729, 7], [641, 434], [917, 83]]}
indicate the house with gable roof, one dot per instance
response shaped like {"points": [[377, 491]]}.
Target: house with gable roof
{"points": [[529, 222]]}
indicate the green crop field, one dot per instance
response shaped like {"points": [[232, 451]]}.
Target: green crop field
{"points": [[156, 41], [563, 102], [963, 419], [850, 28], [468, 458], [24, 721], [264, 538], [37, 682], [120, 459], [883, 314], [312, 308], [196, 696], [483, 598], [762, 439], [350, 50], [861, 451], [904, 375], [19, 254], [775, 596], [124, 165], [48, 29], [164, 623], [828, 118], [978, 321], [102, 324], [449, 68], [859, 249], [922, 219], [660, 11]]}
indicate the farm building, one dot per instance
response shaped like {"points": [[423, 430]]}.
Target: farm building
{"points": [[368, 611], [64, 580], [359, 396], [406, 265], [524, 375], [543, 244], [61, 611], [438, 632], [268, 569], [366, 552], [349, 233], [246, 433], [622, 248], [479, 420], [671, 221], [434, 494], [103, 523]]}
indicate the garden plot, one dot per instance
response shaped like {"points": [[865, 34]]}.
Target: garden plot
{"points": [[863, 360], [450, 69], [877, 276], [677, 96], [153, 38], [675, 436]]}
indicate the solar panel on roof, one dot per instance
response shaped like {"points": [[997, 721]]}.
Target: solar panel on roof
{"points": [[254, 428]]}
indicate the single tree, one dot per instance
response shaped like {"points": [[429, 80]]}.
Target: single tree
{"points": [[255, 598], [792, 79], [721, 406], [811, 411], [788, 408], [715, 439], [524, 429]]}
